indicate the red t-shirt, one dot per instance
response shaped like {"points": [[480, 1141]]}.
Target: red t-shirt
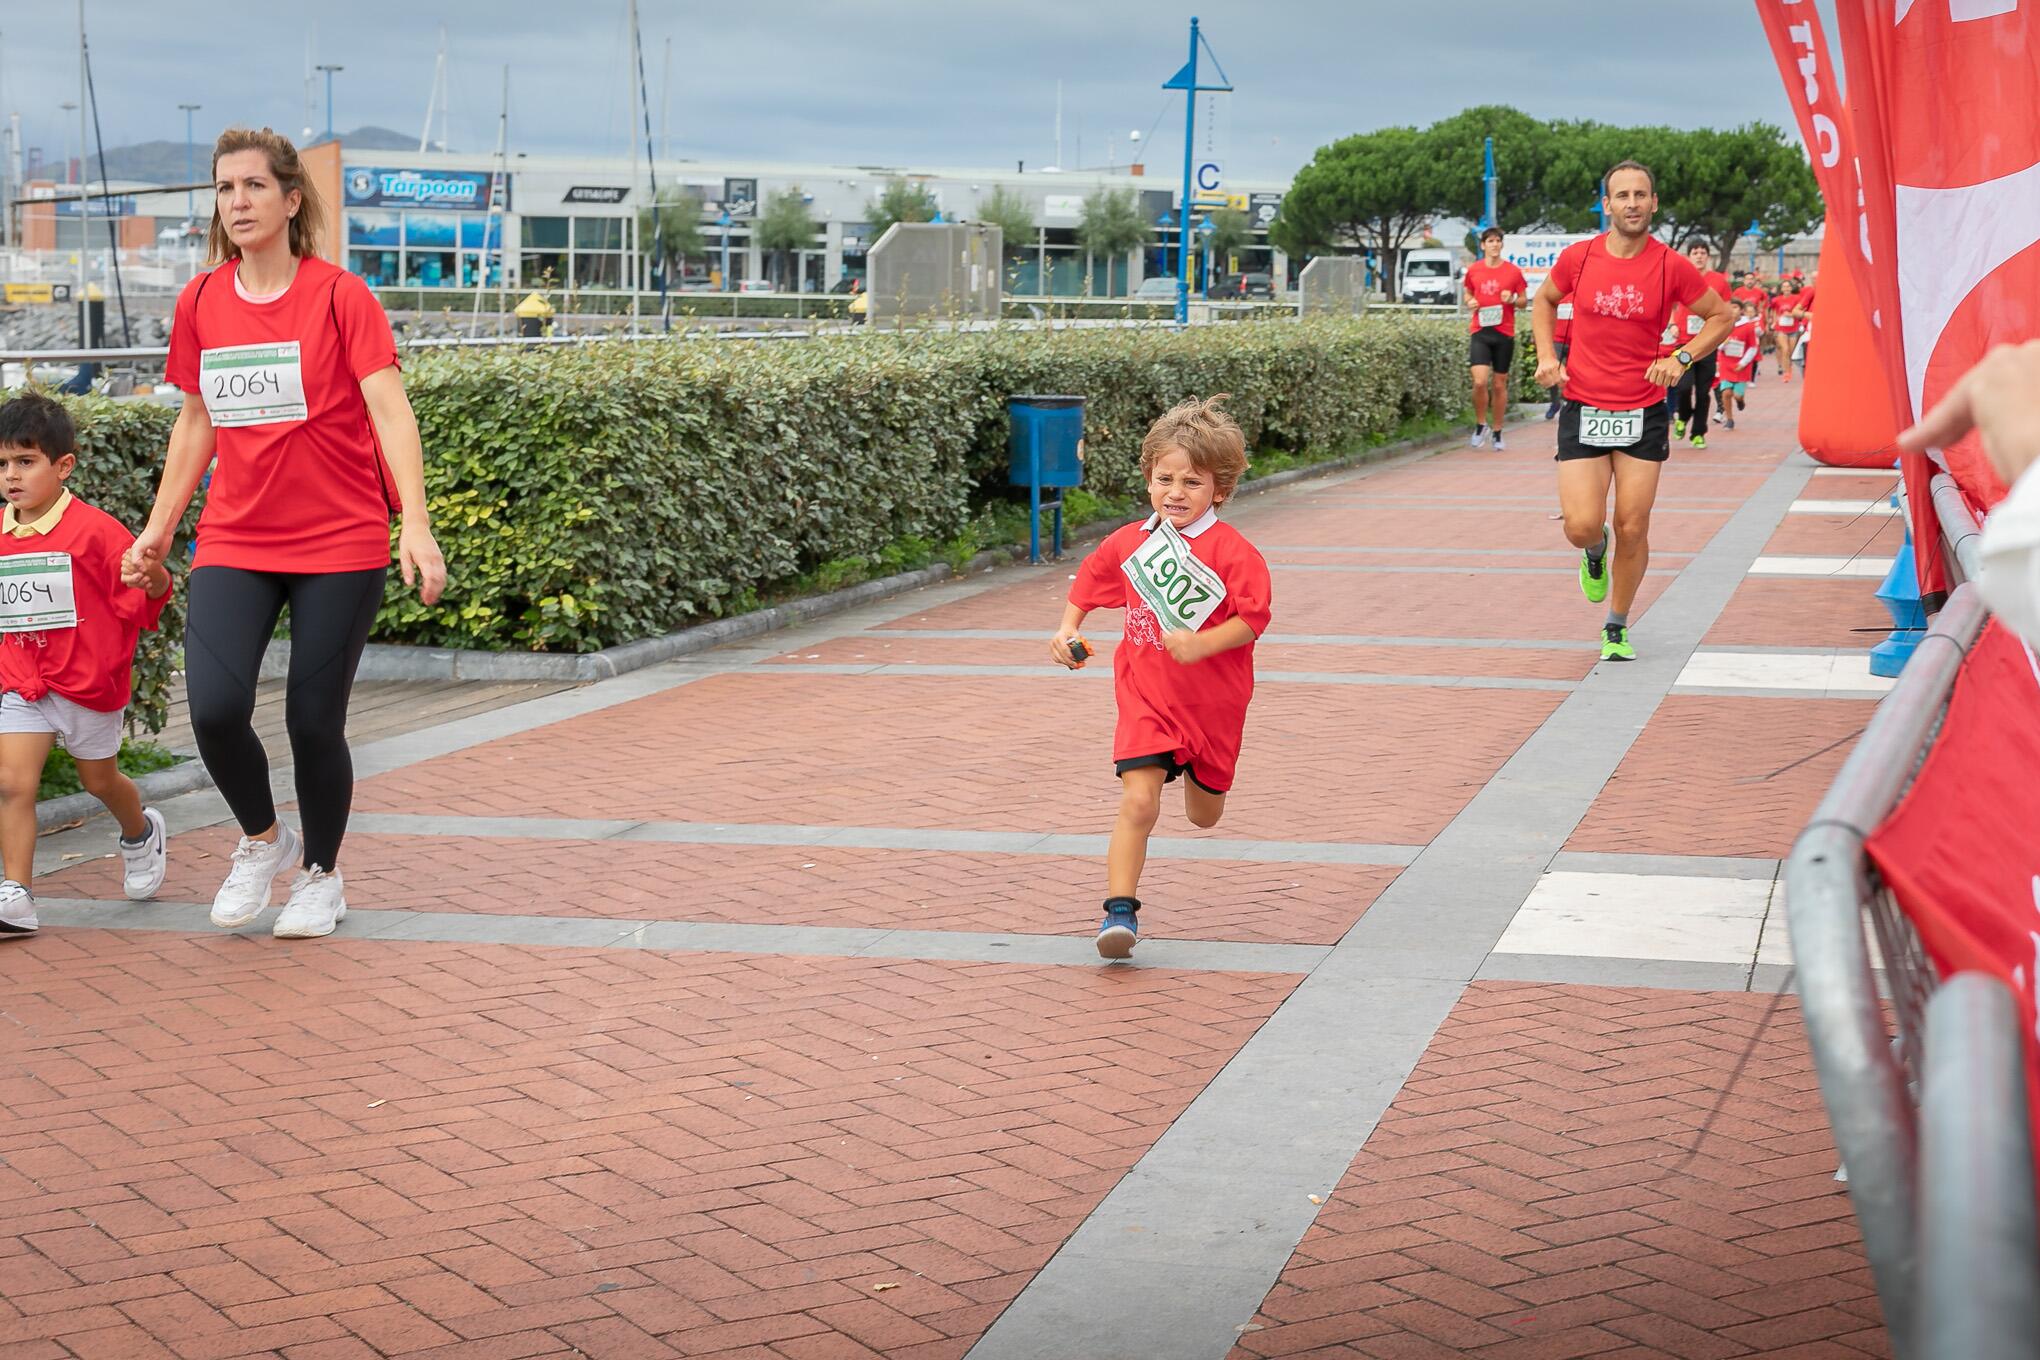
{"points": [[1621, 310], [1194, 713], [1806, 299], [93, 663], [1561, 329], [1485, 284], [1781, 312], [1740, 352], [295, 493]]}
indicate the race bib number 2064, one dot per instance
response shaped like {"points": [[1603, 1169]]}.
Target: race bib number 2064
{"points": [[1182, 591], [252, 384]]}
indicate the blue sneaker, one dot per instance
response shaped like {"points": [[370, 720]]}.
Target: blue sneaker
{"points": [[1117, 934]]}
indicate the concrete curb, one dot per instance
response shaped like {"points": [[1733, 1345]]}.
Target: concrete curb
{"points": [[157, 786], [383, 661]]}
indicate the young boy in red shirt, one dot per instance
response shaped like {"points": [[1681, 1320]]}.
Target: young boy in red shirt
{"points": [[1197, 596], [1739, 355], [70, 615]]}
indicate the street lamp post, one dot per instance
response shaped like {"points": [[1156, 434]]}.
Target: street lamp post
{"points": [[190, 204], [329, 69]]}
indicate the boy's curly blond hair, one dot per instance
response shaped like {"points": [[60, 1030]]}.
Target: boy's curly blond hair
{"points": [[1214, 441]]}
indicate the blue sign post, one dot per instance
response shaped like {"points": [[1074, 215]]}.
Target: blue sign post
{"points": [[724, 223], [1186, 81], [1488, 182]]}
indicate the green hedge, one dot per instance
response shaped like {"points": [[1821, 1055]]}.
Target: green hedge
{"points": [[590, 495]]}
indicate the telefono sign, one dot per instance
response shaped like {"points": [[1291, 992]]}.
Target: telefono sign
{"points": [[369, 187]]}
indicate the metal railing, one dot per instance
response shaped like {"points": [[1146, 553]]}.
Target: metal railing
{"points": [[1928, 1107]]}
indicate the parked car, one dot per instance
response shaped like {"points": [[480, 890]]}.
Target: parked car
{"points": [[756, 286], [1162, 289], [1429, 276], [1257, 284], [849, 283]]}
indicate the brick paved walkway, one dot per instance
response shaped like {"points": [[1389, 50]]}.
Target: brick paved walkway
{"points": [[744, 1007]]}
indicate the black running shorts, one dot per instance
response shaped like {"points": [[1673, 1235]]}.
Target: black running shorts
{"points": [[1491, 349], [1655, 445]]}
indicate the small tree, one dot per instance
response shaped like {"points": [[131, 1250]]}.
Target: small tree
{"points": [[1373, 189], [1230, 233], [1008, 211], [900, 201], [1110, 225], [669, 230], [784, 227]]}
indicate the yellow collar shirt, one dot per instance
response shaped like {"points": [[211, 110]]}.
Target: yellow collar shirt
{"points": [[44, 524]]}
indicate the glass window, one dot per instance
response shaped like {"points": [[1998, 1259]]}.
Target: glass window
{"points": [[598, 233], [543, 270], [430, 229], [545, 233], [481, 231], [372, 228], [378, 268], [428, 269], [1427, 269], [598, 271]]}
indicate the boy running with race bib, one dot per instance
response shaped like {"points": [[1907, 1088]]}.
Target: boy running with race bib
{"points": [[1739, 355], [1197, 596], [70, 614]]}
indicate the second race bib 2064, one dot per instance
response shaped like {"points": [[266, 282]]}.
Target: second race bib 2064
{"points": [[36, 593]]}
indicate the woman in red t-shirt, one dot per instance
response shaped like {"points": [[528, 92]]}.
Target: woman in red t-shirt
{"points": [[290, 380]]}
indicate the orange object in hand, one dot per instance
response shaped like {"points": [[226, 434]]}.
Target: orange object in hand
{"points": [[1081, 651]]}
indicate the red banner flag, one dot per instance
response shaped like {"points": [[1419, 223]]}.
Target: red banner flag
{"points": [[1944, 106]]}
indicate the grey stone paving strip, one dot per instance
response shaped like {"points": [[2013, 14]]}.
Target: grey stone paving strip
{"points": [[1682, 866], [1281, 639], [1673, 974], [1220, 1201], [1765, 692], [1046, 671], [876, 838], [1362, 569], [585, 932], [1563, 554]]}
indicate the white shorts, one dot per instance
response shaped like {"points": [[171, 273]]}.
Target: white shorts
{"points": [[86, 733]]}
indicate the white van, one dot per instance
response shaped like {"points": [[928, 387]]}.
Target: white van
{"points": [[1431, 275]]}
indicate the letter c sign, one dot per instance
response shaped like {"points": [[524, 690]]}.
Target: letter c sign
{"points": [[1208, 177]]}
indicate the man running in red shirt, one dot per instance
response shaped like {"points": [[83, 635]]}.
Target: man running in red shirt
{"points": [[1698, 383], [1785, 311], [1613, 429], [1494, 290]]}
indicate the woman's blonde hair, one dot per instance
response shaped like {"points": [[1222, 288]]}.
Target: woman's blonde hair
{"points": [[290, 175]]}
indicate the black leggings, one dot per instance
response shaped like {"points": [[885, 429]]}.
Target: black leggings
{"points": [[230, 615], [1695, 387]]}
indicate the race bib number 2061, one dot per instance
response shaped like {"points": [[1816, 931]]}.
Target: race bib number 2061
{"points": [[1610, 429], [1182, 591], [252, 384]]}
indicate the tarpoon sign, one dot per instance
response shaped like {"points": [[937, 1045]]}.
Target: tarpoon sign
{"points": [[459, 190]]}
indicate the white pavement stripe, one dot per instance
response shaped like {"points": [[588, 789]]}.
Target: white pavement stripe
{"points": [[1271, 640], [1838, 675], [1873, 568], [1641, 916], [1846, 509], [1889, 474], [1048, 671], [595, 932]]}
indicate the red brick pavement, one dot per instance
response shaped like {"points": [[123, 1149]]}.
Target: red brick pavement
{"points": [[1811, 613], [1575, 1171], [773, 745], [221, 1147], [1837, 536], [796, 885], [1685, 790], [898, 649]]}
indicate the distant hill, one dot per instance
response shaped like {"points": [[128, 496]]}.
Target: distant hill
{"points": [[163, 162]]}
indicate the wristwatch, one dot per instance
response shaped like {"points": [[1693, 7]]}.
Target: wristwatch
{"points": [[1685, 359]]}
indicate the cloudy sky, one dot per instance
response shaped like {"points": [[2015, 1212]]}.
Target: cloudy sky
{"points": [[900, 82]]}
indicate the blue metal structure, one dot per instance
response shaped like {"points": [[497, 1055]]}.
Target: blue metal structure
{"points": [[1186, 81], [1044, 449], [1488, 180]]}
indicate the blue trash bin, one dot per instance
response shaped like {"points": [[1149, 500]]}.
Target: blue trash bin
{"points": [[1044, 451]]}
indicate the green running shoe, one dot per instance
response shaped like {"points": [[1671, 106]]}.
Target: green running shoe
{"points": [[1594, 579], [1678, 429], [1615, 643], [1699, 441]]}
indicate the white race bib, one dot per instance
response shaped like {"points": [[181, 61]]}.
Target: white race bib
{"points": [[1490, 316], [1732, 348], [1610, 429], [1787, 322], [252, 384], [1694, 325], [1565, 311], [35, 593], [1182, 591]]}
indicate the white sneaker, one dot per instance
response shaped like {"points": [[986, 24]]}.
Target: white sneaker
{"points": [[315, 906], [1498, 441], [1479, 440], [143, 866], [256, 864], [17, 910]]}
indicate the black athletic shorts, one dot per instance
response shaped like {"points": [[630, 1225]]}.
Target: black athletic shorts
{"points": [[1655, 446], [1491, 349], [1165, 762]]}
